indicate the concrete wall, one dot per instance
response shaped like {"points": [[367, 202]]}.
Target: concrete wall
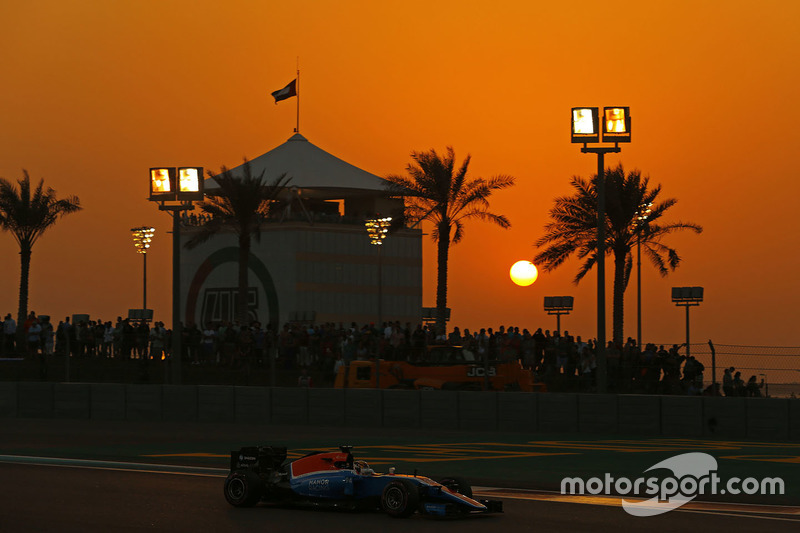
{"points": [[251, 404], [725, 417], [363, 408], [401, 409], [672, 416], [326, 407], [768, 418], [9, 407], [558, 412], [72, 400], [682, 416], [107, 401], [477, 410], [597, 413], [517, 411], [639, 414]]}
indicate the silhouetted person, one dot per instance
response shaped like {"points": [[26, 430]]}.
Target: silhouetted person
{"points": [[753, 388], [727, 382]]}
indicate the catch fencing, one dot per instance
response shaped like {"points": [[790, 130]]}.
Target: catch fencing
{"points": [[778, 366]]}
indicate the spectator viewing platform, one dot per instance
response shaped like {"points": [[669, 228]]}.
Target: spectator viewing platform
{"points": [[312, 257]]}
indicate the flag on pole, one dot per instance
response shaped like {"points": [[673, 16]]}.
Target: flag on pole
{"points": [[287, 92]]}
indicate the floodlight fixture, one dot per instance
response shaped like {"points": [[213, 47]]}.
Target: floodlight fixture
{"points": [[162, 183], [617, 124], [553, 304], [190, 183], [585, 125], [643, 213], [687, 295], [377, 228], [142, 237]]}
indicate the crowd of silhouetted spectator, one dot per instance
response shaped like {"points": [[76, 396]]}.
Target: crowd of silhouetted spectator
{"points": [[561, 361]]}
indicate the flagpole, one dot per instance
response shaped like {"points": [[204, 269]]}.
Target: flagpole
{"points": [[297, 129]]}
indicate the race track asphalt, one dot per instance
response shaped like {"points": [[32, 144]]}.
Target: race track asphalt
{"points": [[508, 460]]}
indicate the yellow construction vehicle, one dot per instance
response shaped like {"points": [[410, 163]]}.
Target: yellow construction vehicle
{"points": [[441, 367]]}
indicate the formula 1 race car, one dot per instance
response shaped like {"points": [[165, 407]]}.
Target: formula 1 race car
{"points": [[335, 479]]}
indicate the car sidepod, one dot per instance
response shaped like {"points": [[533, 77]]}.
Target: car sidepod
{"points": [[325, 485]]}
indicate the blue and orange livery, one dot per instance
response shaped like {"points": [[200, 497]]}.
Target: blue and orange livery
{"points": [[336, 479]]}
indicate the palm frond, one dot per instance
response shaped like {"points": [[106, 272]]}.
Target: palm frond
{"points": [[572, 228], [240, 202]]}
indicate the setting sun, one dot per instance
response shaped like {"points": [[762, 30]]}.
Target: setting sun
{"points": [[523, 273]]}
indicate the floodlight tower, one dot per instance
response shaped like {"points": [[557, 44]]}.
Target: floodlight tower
{"points": [[558, 305], [142, 237], [687, 297], [377, 229], [642, 214], [183, 185], [586, 128]]}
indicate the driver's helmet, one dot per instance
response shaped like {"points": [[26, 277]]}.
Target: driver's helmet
{"points": [[361, 467]]}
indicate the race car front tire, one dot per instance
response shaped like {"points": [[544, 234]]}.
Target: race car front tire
{"points": [[243, 488], [400, 498]]}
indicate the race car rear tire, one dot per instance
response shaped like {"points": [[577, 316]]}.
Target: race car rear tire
{"points": [[400, 498], [243, 488], [457, 484]]}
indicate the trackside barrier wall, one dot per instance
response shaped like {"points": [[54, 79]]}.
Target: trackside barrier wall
{"points": [[251, 404], [107, 402], [517, 411], [766, 419], [597, 413], [215, 404], [639, 414], [670, 416], [437, 408], [682, 416], [289, 406], [558, 412], [401, 409], [725, 417], [179, 402], [71, 400], [363, 408], [477, 411], [794, 421], [326, 407]]}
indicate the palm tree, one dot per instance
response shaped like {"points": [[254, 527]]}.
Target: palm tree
{"points": [[241, 203], [27, 215], [573, 230], [439, 192]]}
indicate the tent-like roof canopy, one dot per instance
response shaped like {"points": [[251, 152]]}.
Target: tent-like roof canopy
{"points": [[312, 170]]}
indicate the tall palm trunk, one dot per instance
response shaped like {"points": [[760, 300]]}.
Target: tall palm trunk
{"points": [[620, 284], [443, 251], [24, 278], [244, 256]]}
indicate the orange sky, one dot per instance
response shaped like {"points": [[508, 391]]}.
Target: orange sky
{"points": [[95, 92]]}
